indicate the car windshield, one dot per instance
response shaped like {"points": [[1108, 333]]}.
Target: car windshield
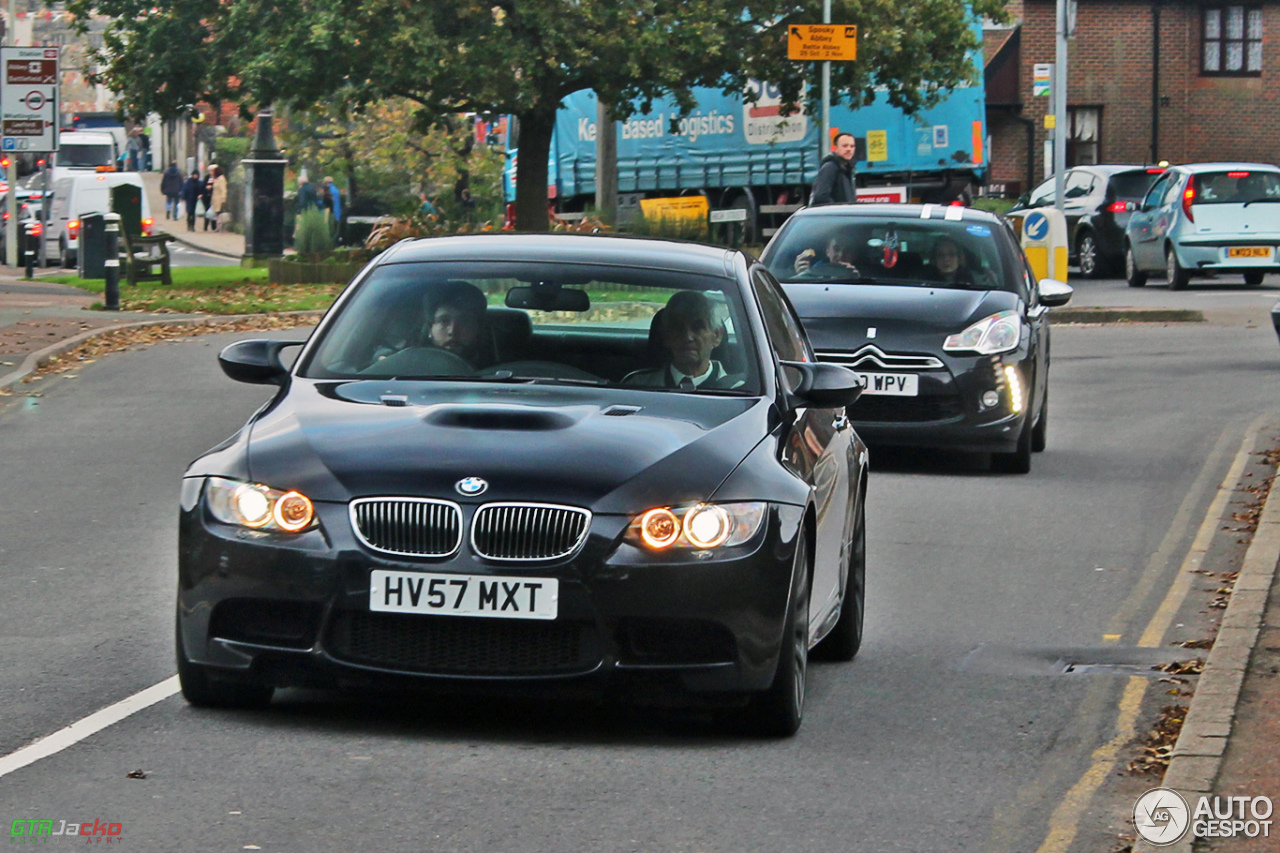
{"points": [[855, 250], [1237, 187], [84, 155], [540, 323]]}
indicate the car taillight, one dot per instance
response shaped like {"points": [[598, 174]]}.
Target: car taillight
{"points": [[73, 229], [957, 203], [1118, 206], [1188, 199], [146, 226], [1156, 171], [1237, 174], [36, 229], [5, 216]]}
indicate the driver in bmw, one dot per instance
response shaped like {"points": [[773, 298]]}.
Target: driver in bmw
{"points": [[689, 331], [454, 314]]}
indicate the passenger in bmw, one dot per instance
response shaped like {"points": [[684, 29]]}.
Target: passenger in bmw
{"points": [[688, 330]]}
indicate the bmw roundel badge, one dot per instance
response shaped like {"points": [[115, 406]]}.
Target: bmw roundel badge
{"points": [[471, 486]]}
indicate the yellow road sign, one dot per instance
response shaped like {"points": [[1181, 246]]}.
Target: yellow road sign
{"points": [[834, 42]]}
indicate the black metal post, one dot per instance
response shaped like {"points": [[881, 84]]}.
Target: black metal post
{"points": [[111, 300], [28, 245]]}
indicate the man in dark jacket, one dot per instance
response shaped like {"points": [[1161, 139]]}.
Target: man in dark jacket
{"points": [[171, 187], [834, 184], [191, 189]]}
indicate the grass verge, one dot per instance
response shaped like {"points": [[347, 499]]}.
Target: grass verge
{"points": [[212, 290]]}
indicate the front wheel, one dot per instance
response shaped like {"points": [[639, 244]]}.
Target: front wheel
{"points": [[1019, 461], [1132, 272], [845, 639], [1040, 433], [1174, 272], [779, 711]]}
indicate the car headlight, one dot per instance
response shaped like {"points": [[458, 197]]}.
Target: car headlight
{"points": [[259, 507], [989, 336], [703, 526]]}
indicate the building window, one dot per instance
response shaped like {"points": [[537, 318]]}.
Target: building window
{"points": [[1232, 40], [1084, 142]]}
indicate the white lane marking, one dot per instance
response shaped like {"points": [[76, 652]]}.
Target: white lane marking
{"points": [[90, 725]]}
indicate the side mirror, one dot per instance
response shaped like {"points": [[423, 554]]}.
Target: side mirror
{"points": [[1024, 199], [821, 384], [1054, 293], [256, 362]]}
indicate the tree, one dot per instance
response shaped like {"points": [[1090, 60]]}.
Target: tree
{"points": [[513, 56]]}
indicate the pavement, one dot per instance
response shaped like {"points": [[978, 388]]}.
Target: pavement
{"points": [[1228, 743]]}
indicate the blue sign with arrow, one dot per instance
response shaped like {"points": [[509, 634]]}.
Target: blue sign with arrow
{"points": [[1036, 226]]}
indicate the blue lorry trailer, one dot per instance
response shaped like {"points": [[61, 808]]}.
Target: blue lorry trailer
{"points": [[752, 156]]}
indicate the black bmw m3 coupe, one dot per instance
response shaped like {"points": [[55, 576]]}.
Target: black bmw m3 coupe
{"points": [[534, 461]]}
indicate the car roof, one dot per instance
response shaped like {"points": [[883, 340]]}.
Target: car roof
{"points": [[1116, 168], [1198, 168], [568, 248], [895, 211]]}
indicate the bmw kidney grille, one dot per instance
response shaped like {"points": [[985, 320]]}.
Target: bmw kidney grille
{"points": [[417, 527], [520, 531]]}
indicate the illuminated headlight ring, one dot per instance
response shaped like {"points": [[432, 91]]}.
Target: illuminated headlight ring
{"points": [[701, 527], [259, 507]]}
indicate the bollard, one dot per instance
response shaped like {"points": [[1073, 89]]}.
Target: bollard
{"points": [[31, 234], [111, 302]]}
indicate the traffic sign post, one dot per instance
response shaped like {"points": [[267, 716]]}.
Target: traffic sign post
{"points": [[29, 95], [823, 43]]}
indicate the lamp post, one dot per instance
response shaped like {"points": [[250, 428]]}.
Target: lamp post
{"points": [[264, 193]]}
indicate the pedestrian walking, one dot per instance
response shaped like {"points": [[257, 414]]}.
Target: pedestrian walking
{"points": [[206, 200], [190, 194], [171, 186], [219, 197], [307, 198], [333, 203], [834, 183]]}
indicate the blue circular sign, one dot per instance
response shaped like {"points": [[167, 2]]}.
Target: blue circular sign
{"points": [[1036, 226]]}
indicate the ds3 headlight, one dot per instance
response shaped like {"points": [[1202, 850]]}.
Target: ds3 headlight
{"points": [[259, 507], [992, 335]]}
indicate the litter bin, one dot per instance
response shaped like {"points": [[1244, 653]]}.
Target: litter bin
{"points": [[93, 246]]}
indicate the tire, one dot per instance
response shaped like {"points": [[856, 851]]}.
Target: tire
{"points": [[1135, 276], [779, 711], [63, 258], [1040, 432], [203, 690], [1173, 271], [1091, 265], [1019, 461], [1253, 278], [845, 639]]}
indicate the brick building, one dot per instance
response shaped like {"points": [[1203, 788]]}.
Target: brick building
{"points": [[1148, 80]]}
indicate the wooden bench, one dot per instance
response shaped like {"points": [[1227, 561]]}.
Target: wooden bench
{"points": [[145, 258]]}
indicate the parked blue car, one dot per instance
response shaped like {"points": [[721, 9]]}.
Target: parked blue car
{"points": [[1206, 219]]}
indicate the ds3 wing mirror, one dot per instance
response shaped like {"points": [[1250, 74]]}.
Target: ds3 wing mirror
{"points": [[1054, 293]]}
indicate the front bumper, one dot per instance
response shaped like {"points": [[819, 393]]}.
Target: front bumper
{"points": [[948, 411], [293, 610]]}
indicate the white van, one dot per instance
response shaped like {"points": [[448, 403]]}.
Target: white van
{"points": [[85, 150], [77, 194]]}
